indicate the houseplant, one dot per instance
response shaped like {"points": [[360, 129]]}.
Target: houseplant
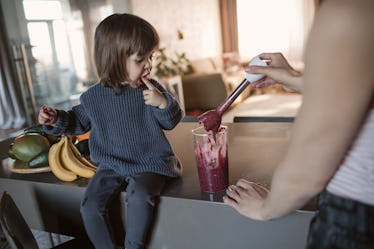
{"points": [[167, 65]]}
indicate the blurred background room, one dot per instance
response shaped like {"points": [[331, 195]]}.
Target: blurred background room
{"points": [[46, 48]]}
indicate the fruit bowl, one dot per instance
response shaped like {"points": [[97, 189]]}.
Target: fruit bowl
{"points": [[21, 167]]}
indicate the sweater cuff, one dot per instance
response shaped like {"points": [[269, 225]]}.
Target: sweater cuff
{"points": [[60, 126], [171, 111]]}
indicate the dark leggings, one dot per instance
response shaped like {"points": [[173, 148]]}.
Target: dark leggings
{"points": [[341, 223], [142, 192]]}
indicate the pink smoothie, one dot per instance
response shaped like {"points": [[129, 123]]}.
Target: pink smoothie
{"points": [[212, 162]]}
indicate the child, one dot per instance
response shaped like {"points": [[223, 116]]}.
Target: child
{"points": [[126, 114]]}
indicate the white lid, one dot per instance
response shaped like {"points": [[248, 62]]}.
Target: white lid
{"points": [[256, 61]]}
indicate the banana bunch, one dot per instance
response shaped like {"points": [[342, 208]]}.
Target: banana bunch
{"points": [[66, 162]]}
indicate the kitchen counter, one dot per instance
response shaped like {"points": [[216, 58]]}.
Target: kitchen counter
{"points": [[186, 217]]}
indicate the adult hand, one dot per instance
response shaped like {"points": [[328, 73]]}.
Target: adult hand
{"points": [[152, 96], [247, 198], [277, 71], [47, 115]]}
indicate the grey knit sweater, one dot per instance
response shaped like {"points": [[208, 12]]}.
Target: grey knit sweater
{"points": [[126, 134]]}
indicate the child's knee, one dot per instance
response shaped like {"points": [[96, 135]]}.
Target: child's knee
{"points": [[140, 196], [90, 207]]}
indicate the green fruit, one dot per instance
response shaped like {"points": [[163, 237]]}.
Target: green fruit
{"points": [[39, 129], [40, 160], [52, 138], [10, 152], [29, 145], [34, 129]]}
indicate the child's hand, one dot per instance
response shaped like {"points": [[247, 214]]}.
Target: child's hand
{"points": [[152, 96], [47, 115]]}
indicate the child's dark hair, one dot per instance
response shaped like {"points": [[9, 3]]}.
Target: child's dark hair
{"points": [[116, 38]]}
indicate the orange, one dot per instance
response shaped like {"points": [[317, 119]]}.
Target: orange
{"points": [[83, 136]]}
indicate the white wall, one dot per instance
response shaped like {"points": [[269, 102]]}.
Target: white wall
{"points": [[198, 20]]}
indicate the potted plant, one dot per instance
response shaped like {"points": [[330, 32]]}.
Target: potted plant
{"points": [[168, 66]]}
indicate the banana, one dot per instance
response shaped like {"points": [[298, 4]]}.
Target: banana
{"points": [[86, 162], [72, 162], [82, 159], [54, 160]]}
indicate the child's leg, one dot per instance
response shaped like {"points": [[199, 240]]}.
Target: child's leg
{"points": [[142, 194], [102, 189]]}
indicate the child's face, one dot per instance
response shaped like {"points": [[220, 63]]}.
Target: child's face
{"points": [[138, 67]]}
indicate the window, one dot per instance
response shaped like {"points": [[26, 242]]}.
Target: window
{"points": [[51, 63], [274, 26]]}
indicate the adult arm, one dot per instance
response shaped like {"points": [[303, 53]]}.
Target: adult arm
{"points": [[338, 93]]}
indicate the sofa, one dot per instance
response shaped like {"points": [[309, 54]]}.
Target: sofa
{"points": [[209, 84], [203, 91]]}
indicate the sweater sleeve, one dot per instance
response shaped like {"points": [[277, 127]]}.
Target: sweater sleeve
{"points": [[172, 114], [73, 122]]}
